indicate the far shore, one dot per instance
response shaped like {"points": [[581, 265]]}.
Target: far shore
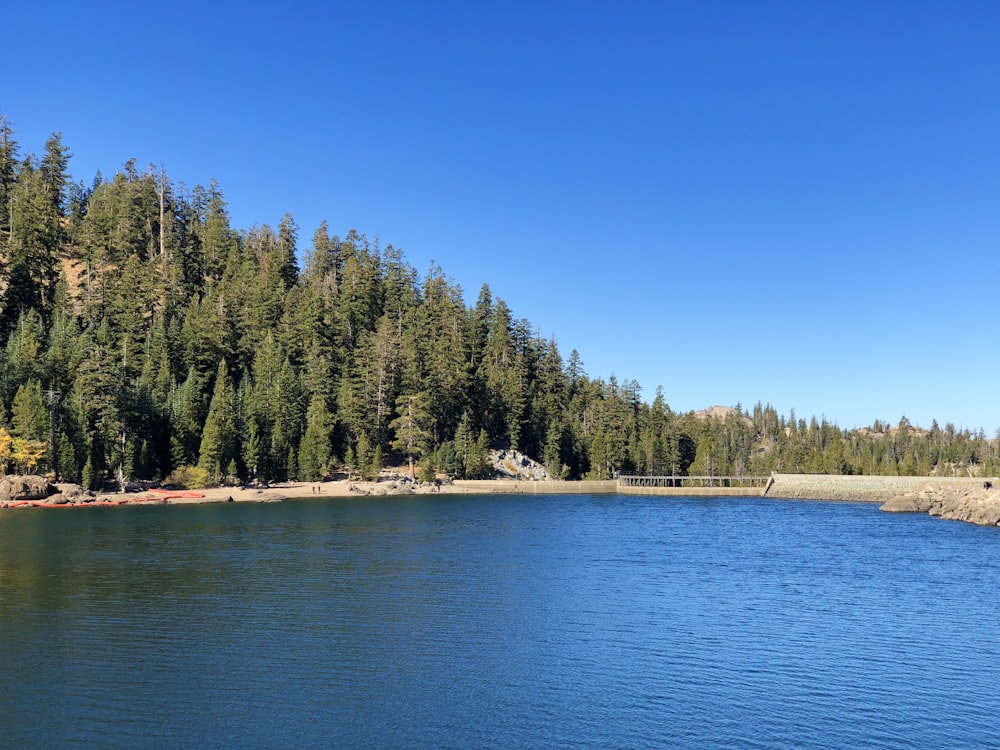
{"points": [[970, 499], [342, 488], [783, 486]]}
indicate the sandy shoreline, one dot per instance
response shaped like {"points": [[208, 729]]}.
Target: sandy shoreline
{"points": [[277, 492], [290, 490]]}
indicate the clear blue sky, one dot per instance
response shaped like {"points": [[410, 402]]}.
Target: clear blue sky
{"points": [[789, 202]]}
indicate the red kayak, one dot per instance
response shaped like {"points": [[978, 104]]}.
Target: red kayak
{"points": [[177, 493]]}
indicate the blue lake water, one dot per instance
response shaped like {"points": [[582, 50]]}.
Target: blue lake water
{"points": [[498, 622]]}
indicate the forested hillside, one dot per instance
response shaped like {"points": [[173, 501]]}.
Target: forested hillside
{"points": [[141, 334]]}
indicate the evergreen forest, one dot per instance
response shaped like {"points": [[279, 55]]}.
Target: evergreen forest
{"points": [[142, 337]]}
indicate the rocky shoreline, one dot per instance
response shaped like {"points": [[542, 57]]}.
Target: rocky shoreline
{"points": [[514, 471], [980, 506], [19, 491], [969, 499]]}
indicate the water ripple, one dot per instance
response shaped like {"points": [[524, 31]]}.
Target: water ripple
{"points": [[555, 622]]}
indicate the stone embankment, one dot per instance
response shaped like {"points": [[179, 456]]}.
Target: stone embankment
{"points": [[864, 488], [952, 498], [977, 505]]}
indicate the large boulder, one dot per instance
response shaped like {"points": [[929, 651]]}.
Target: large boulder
{"points": [[69, 490], [256, 496], [24, 487], [978, 506], [270, 497], [908, 503], [512, 464]]}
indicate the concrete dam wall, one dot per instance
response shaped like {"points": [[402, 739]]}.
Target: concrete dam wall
{"points": [[863, 488], [543, 487], [791, 486]]}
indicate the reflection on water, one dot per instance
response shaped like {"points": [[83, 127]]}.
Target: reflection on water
{"points": [[504, 622]]}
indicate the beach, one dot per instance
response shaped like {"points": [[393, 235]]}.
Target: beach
{"points": [[279, 491]]}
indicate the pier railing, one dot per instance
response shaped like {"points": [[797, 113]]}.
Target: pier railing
{"points": [[680, 482]]}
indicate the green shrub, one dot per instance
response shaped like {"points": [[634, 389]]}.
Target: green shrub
{"points": [[189, 478]]}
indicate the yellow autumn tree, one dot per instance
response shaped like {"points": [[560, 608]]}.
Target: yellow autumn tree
{"points": [[26, 453], [5, 447], [22, 452]]}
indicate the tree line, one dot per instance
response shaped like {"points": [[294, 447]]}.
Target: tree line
{"points": [[144, 337]]}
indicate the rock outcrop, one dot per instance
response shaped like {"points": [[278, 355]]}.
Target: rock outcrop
{"points": [[14, 488], [259, 496], [70, 493], [512, 464], [911, 502], [978, 506], [72, 490]]}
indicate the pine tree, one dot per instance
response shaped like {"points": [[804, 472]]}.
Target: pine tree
{"points": [[464, 446], [53, 172], [441, 346], [187, 413], [288, 235], [8, 175], [360, 296], [288, 417], [315, 450], [215, 237], [351, 460], [24, 354], [552, 457], [29, 415], [601, 461], [88, 478], [256, 451], [371, 382], [68, 469], [401, 296], [376, 464], [219, 436], [477, 463], [412, 437], [363, 456], [264, 279], [321, 262], [32, 249]]}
